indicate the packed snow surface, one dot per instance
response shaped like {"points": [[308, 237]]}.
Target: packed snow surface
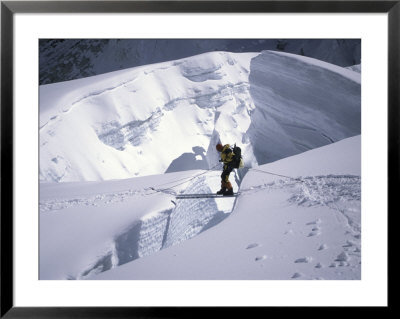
{"points": [[121, 124]]}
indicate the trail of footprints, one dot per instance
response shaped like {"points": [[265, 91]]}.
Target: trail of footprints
{"points": [[342, 260]]}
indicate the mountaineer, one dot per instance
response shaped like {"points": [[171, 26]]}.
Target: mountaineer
{"points": [[232, 158]]}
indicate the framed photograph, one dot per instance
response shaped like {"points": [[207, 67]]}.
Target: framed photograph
{"points": [[163, 157]]}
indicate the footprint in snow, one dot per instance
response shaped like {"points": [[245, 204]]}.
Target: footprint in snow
{"points": [[253, 245], [296, 275], [314, 233], [258, 258], [351, 246], [303, 260], [318, 265], [322, 247], [315, 222], [348, 244], [343, 257]]}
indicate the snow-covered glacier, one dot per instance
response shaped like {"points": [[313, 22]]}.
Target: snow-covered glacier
{"points": [[168, 116], [115, 149]]}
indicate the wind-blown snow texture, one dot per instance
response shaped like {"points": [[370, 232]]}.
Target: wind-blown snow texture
{"points": [[272, 104], [128, 141]]}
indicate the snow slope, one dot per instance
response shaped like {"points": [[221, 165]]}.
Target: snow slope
{"points": [[280, 228], [307, 226], [121, 124]]}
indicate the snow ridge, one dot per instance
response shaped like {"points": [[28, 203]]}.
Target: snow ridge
{"points": [[272, 104], [125, 119], [62, 60]]}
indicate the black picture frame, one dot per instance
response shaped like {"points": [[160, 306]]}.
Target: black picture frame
{"points": [[9, 8]]}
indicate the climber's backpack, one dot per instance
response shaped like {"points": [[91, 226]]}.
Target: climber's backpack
{"points": [[237, 156]]}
